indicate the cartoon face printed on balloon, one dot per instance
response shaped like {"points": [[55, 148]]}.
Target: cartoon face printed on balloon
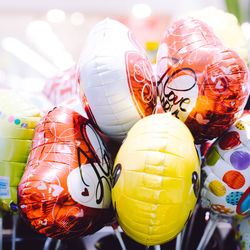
{"points": [[156, 179], [116, 79], [200, 81], [65, 191], [226, 171]]}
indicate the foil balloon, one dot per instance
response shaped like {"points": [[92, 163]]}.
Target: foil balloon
{"points": [[226, 27], [116, 79], [18, 118], [226, 172], [156, 178], [200, 81], [62, 86], [65, 191], [242, 233]]}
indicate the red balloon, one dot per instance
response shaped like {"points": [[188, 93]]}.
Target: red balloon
{"points": [[65, 190], [200, 81], [62, 86]]}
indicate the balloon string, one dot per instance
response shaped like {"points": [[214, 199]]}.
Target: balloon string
{"points": [[119, 237]]}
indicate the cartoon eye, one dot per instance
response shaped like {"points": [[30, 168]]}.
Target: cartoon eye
{"points": [[116, 174], [196, 183]]}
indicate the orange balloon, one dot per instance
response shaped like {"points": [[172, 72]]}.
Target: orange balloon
{"points": [[65, 190], [200, 81]]}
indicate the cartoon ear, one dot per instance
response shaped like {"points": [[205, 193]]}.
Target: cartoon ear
{"points": [[116, 174]]}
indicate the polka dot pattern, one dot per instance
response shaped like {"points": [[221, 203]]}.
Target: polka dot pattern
{"points": [[234, 179], [234, 197], [239, 125], [240, 160], [217, 188], [229, 140], [13, 120], [212, 157]]}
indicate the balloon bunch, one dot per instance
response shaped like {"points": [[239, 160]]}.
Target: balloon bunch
{"points": [[71, 188]]}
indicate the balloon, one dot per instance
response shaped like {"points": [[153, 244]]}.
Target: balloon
{"points": [[18, 118], [226, 172], [74, 103], [62, 86], [226, 27], [65, 191], [242, 233], [156, 178], [200, 81], [116, 79]]}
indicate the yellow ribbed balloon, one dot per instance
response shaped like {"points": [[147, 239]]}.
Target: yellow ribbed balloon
{"points": [[18, 118], [155, 179]]}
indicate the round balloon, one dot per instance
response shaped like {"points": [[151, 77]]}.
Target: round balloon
{"points": [[18, 118], [156, 179], [65, 191], [226, 171], [200, 81], [242, 233], [116, 79]]}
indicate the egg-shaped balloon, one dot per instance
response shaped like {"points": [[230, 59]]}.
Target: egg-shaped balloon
{"points": [[155, 181], [18, 118], [116, 79], [226, 172], [200, 81], [242, 233], [65, 191]]}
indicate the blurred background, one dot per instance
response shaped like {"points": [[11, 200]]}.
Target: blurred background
{"points": [[40, 38]]}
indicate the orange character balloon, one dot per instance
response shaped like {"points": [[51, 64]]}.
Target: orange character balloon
{"points": [[65, 190], [200, 81]]}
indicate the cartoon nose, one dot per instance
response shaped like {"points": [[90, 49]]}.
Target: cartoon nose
{"points": [[85, 192]]}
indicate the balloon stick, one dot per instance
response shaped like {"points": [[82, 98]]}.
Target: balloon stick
{"points": [[178, 241], [209, 230], [47, 243], [119, 237], [1, 230], [14, 226], [157, 247]]}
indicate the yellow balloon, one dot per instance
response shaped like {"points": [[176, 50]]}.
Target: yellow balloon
{"points": [[18, 118], [156, 179]]}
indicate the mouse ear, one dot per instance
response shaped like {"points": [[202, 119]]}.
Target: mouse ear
{"points": [[116, 79]]}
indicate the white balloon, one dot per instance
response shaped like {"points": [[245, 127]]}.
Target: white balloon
{"points": [[117, 78]]}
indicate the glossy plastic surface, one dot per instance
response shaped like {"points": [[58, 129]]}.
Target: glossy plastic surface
{"points": [[116, 79], [226, 172], [156, 179], [200, 81], [65, 191]]}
